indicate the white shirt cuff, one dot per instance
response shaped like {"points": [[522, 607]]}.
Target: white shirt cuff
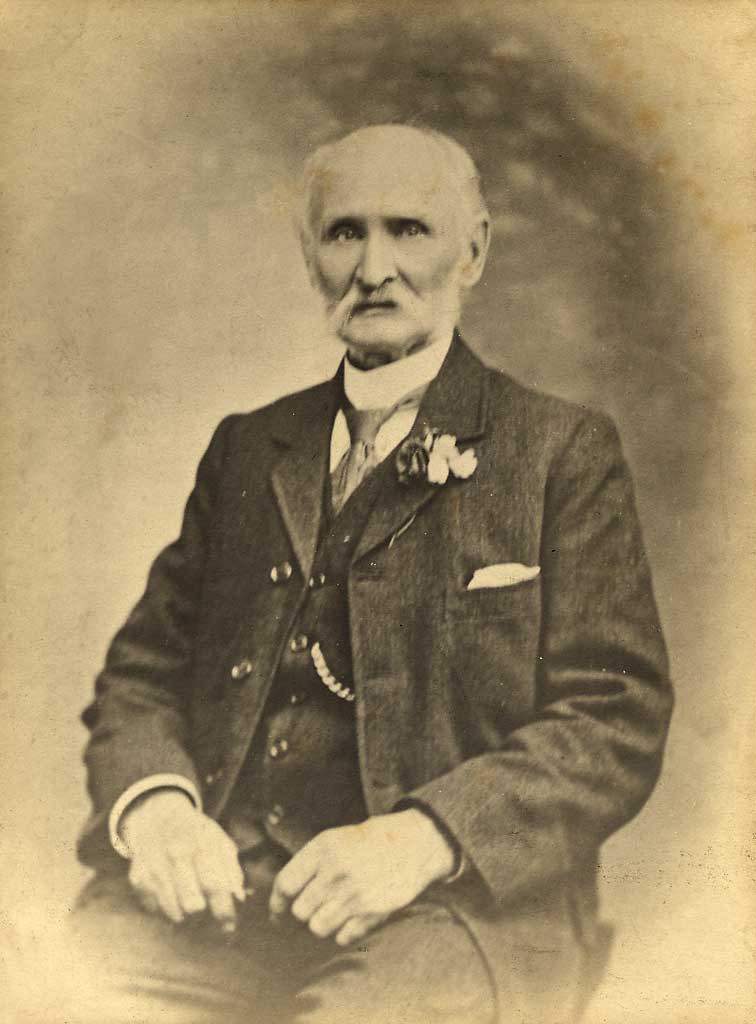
{"points": [[150, 782], [460, 870]]}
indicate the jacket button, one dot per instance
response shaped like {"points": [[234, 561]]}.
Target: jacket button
{"points": [[281, 573], [241, 670], [275, 815], [212, 777], [279, 749], [299, 643], [317, 580]]}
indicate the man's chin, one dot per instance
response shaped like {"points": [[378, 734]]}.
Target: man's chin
{"points": [[392, 339]]}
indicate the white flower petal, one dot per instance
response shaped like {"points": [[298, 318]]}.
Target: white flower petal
{"points": [[465, 464], [446, 445], [438, 468]]}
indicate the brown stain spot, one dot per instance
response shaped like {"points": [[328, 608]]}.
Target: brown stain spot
{"points": [[729, 234], [610, 42], [746, 39], [617, 68], [665, 163], [726, 234], [649, 119], [692, 187]]}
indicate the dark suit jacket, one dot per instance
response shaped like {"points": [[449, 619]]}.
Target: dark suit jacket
{"points": [[530, 720]]}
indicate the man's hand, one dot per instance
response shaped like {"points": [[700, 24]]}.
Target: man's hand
{"points": [[347, 880], [182, 862]]}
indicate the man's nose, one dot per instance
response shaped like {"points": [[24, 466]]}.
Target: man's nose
{"points": [[377, 264]]}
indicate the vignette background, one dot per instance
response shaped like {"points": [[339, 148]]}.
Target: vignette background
{"points": [[152, 283]]}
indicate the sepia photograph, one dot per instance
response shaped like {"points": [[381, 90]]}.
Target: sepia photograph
{"points": [[378, 512]]}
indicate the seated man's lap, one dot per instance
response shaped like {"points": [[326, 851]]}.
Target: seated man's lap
{"points": [[145, 967], [420, 966]]}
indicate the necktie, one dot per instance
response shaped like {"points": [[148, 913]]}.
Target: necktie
{"points": [[360, 458]]}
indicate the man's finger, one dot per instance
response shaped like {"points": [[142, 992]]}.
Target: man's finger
{"points": [[311, 898], [153, 884], [236, 879], [223, 910], [329, 918], [188, 890], [292, 878], [162, 887], [220, 884], [356, 928], [219, 871]]}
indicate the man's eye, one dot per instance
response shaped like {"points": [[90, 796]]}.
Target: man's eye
{"points": [[343, 233], [411, 229]]}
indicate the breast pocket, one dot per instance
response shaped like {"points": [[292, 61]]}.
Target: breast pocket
{"points": [[493, 636], [519, 602]]}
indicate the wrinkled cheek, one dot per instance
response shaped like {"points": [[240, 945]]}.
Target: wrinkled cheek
{"points": [[434, 276], [334, 278]]}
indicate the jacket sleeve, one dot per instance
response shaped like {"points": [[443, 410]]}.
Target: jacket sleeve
{"points": [[138, 719], [538, 808]]}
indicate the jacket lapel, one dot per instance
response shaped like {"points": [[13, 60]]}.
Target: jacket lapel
{"points": [[298, 478], [455, 403]]}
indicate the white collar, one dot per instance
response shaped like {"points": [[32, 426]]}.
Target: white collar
{"points": [[384, 386]]}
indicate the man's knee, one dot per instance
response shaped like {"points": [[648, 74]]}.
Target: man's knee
{"points": [[420, 966], [144, 967]]}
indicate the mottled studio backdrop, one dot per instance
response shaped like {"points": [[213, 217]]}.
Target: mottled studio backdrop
{"points": [[154, 284]]}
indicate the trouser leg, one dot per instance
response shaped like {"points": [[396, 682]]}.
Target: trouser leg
{"points": [[421, 967], [141, 968]]}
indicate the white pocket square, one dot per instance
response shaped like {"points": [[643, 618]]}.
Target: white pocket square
{"points": [[503, 574]]}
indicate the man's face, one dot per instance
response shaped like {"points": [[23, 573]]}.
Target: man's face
{"points": [[391, 243]]}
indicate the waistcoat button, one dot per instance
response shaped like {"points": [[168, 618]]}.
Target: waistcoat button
{"points": [[241, 670], [299, 643], [281, 573], [275, 815], [318, 580]]}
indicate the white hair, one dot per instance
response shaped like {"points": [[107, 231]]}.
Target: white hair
{"points": [[461, 165]]}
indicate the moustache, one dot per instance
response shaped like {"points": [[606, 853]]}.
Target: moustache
{"points": [[366, 304], [355, 302]]}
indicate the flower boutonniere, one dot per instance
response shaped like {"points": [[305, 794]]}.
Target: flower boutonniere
{"points": [[432, 457]]}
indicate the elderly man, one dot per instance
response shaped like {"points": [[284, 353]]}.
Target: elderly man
{"points": [[357, 746]]}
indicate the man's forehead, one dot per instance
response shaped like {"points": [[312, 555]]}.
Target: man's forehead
{"points": [[385, 173]]}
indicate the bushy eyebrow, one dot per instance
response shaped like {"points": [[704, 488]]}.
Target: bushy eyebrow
{"points": [[331, 227], [395, 224]]}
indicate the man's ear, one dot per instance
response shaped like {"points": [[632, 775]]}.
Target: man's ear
{"points": [[306, 241], [477, 250]]}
